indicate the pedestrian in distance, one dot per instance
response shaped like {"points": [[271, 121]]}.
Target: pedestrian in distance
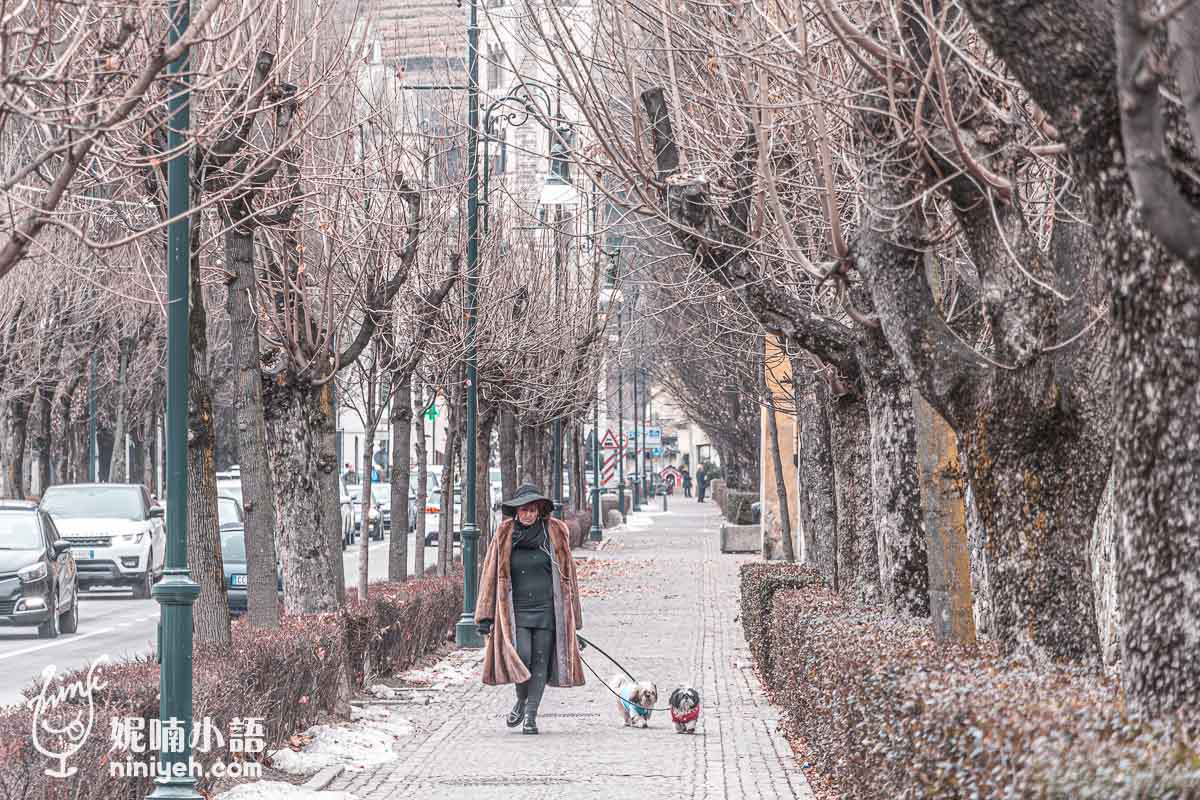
{"points": [[701, 485], [687, 482], [528, 606]]}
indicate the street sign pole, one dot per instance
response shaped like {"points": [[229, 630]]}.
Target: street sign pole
{"points": [[177, 592]]}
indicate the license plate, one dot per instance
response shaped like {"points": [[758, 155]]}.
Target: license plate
{"points": [[238, 580]]}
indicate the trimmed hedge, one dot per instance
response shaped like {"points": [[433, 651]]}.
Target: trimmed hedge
{"points": [[886, 711], [737, 506], [292, 678], [759, 581]]}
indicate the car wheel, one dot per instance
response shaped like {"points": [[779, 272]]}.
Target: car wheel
{"points": [[69, 622], [49, 628], [141, 589]]}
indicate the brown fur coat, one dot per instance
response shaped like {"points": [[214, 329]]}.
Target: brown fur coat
{"points": [[501, 663]]}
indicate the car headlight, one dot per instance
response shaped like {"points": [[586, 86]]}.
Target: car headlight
{"points": [[133, 537], [34, 572]]}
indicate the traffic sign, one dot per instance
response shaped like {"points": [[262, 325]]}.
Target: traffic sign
{"points": [[653, 436], [432, 413], [609, 442]]}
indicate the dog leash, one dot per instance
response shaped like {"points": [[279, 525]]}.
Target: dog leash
{"points": [[603, 683]]}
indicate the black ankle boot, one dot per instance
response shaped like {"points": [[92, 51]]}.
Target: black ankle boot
{"points": [[516, 715], [530, 725]]}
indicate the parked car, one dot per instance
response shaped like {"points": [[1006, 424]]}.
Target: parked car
{"points": [[38, 579], [233, 555], [230, 487], [433, 513], [374, 516], [117, 536], [346, 510], [381, 498]]}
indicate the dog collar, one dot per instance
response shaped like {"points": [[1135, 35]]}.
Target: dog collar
{"points": [[690, 716]]}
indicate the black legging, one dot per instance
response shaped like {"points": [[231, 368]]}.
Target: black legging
{"points": [[536, 648]]}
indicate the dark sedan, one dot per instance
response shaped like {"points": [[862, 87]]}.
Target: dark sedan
{"points": [[233, 554], [38, 582]]}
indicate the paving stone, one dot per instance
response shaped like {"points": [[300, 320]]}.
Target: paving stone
{"points": [[665, 603]]}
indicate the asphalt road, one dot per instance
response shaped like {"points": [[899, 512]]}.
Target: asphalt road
{"points": [[112, 623]]}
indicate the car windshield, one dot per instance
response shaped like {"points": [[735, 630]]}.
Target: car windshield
{"points": [[233, 548], [97, 502], [19, 531], [227, 511], [230, 489]]}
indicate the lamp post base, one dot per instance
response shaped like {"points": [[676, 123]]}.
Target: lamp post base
{"points": [[466, 632], [175, 789], [596, 534]]}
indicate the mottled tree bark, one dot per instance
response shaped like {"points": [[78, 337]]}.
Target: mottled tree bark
{"points": [[67, 434], [118, 471], [299, 421], [1062, 53], [258, 494], [211, 610], [508, 452], [856, 554], [43, 403], [18, 429], [401, 421], [818, 508]]}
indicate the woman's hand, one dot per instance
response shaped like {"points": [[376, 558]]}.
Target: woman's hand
{"points": [[485, 627]]}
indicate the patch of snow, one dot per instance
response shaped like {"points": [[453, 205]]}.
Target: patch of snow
{"points": [[456, 669], [367, 741], [382, 691], [278, 790]]}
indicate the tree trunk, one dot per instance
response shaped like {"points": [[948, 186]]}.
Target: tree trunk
{"points": [[41, 440], [446, 517], [422, 484], [509, 442], [817, 484], [18, 429], [137, 454], [945, 515], [850, 444], [211, 610], [118, 470], [368, 458], [298, 418], [67, 434], [781, 492], [401, 421], [483, 497], [895, 488], [1157, 483], [258, 493]]}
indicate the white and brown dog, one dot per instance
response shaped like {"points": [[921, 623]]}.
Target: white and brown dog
{"points": [[685, 709], [636, 700]]}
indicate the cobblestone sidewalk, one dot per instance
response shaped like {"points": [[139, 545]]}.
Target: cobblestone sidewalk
{"points": [[662, 598]]}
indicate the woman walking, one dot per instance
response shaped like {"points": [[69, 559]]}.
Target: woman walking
{"points": [[528, 606]]}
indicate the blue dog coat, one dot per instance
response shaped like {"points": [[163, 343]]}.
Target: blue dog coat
{"points": [[631, 707]]}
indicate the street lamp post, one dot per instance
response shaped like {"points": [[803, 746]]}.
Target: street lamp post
{"points": [[466, 634], [176, 592], [637, 491], [91, 445], [557, 192]]}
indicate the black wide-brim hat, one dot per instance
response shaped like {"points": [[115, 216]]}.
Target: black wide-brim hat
{"points": [[526, 493]]}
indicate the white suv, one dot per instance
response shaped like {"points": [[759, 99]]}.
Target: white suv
{"points": [[117, 534]]}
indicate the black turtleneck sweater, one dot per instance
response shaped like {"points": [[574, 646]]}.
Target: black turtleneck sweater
{"points": [[532, 576]]}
